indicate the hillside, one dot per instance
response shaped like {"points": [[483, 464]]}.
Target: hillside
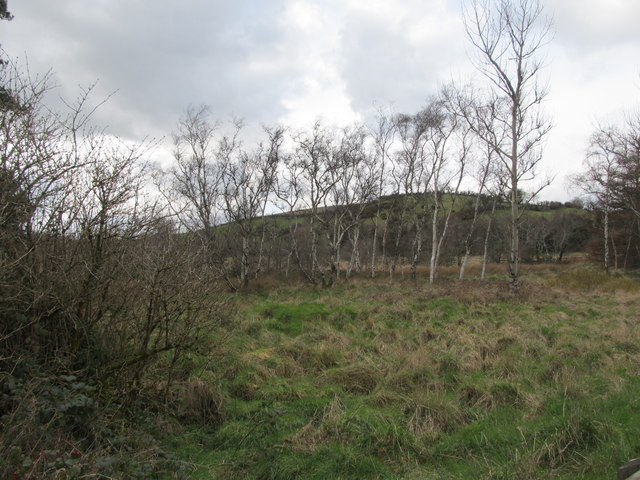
{"points": [[397, 230]]}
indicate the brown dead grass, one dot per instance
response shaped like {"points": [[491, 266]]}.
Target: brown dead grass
{"points": [[201, 403], [359, 379]]}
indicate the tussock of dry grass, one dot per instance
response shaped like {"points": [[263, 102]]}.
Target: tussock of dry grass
{"points": [[354, 378], [201, 403], [431, 416]]}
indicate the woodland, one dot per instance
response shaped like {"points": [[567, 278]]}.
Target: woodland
{"points": [[385, 300]]}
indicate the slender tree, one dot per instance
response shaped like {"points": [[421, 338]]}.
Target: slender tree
{"points": [[509, 36], [289, 190], [450, 146], [195, 179], [597, 178], [482, 176], [318, 169], [247, 182], [414, 173], [383, 136]]}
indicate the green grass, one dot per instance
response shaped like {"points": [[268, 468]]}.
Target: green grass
{"points": [[292, 318], [379, 379]]}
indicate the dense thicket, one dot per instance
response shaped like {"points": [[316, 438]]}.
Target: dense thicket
{"points": [[99, 297]]}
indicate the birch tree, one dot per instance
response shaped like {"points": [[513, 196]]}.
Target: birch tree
{"points": [[194, 179], [612, 178], [509, 37], [351, 188], [450, 143], [248, 181], [383, 137], [316, 165], [289, 190], [596, 180], [416, 170], [482, 177]]}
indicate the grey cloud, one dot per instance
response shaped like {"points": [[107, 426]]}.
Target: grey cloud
{"points": [[160, 56], [380, 65]]}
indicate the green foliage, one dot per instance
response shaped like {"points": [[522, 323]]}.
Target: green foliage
{"points": [[55, 427]]}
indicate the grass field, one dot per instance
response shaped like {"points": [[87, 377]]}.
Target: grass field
{"points": [[395, 379]]}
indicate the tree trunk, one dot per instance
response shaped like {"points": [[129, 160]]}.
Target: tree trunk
{"points": [[434, 237], [606, 240], [514, 254], [374, 242], [354, 262], [244, 268], [383, 241], [444, 232], [615, 254], [314, 252], [486, 239], [417, 249], [628, 249]]}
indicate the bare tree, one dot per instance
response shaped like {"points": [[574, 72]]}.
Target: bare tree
{"points": [[364, 191], [415, 169], [317, 166], [195, 177], [248, 180], [350, 195], [383, 136], [509, 36], [626, 183], [352, 187], [596, 181], [429, 141], [289, 190], [396, 215], [197, 187], [451, 139], [95, 282], [612, 180], [482, 177], [271, 157], [37, 168]]}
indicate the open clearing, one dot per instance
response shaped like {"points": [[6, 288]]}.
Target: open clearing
{"points": [[396, 379]]}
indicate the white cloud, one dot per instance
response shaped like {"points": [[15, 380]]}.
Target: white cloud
{"points": [[315, 35], [593, 73]]}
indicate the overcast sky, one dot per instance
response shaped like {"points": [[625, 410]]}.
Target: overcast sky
{"points": [[292, 61]]}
